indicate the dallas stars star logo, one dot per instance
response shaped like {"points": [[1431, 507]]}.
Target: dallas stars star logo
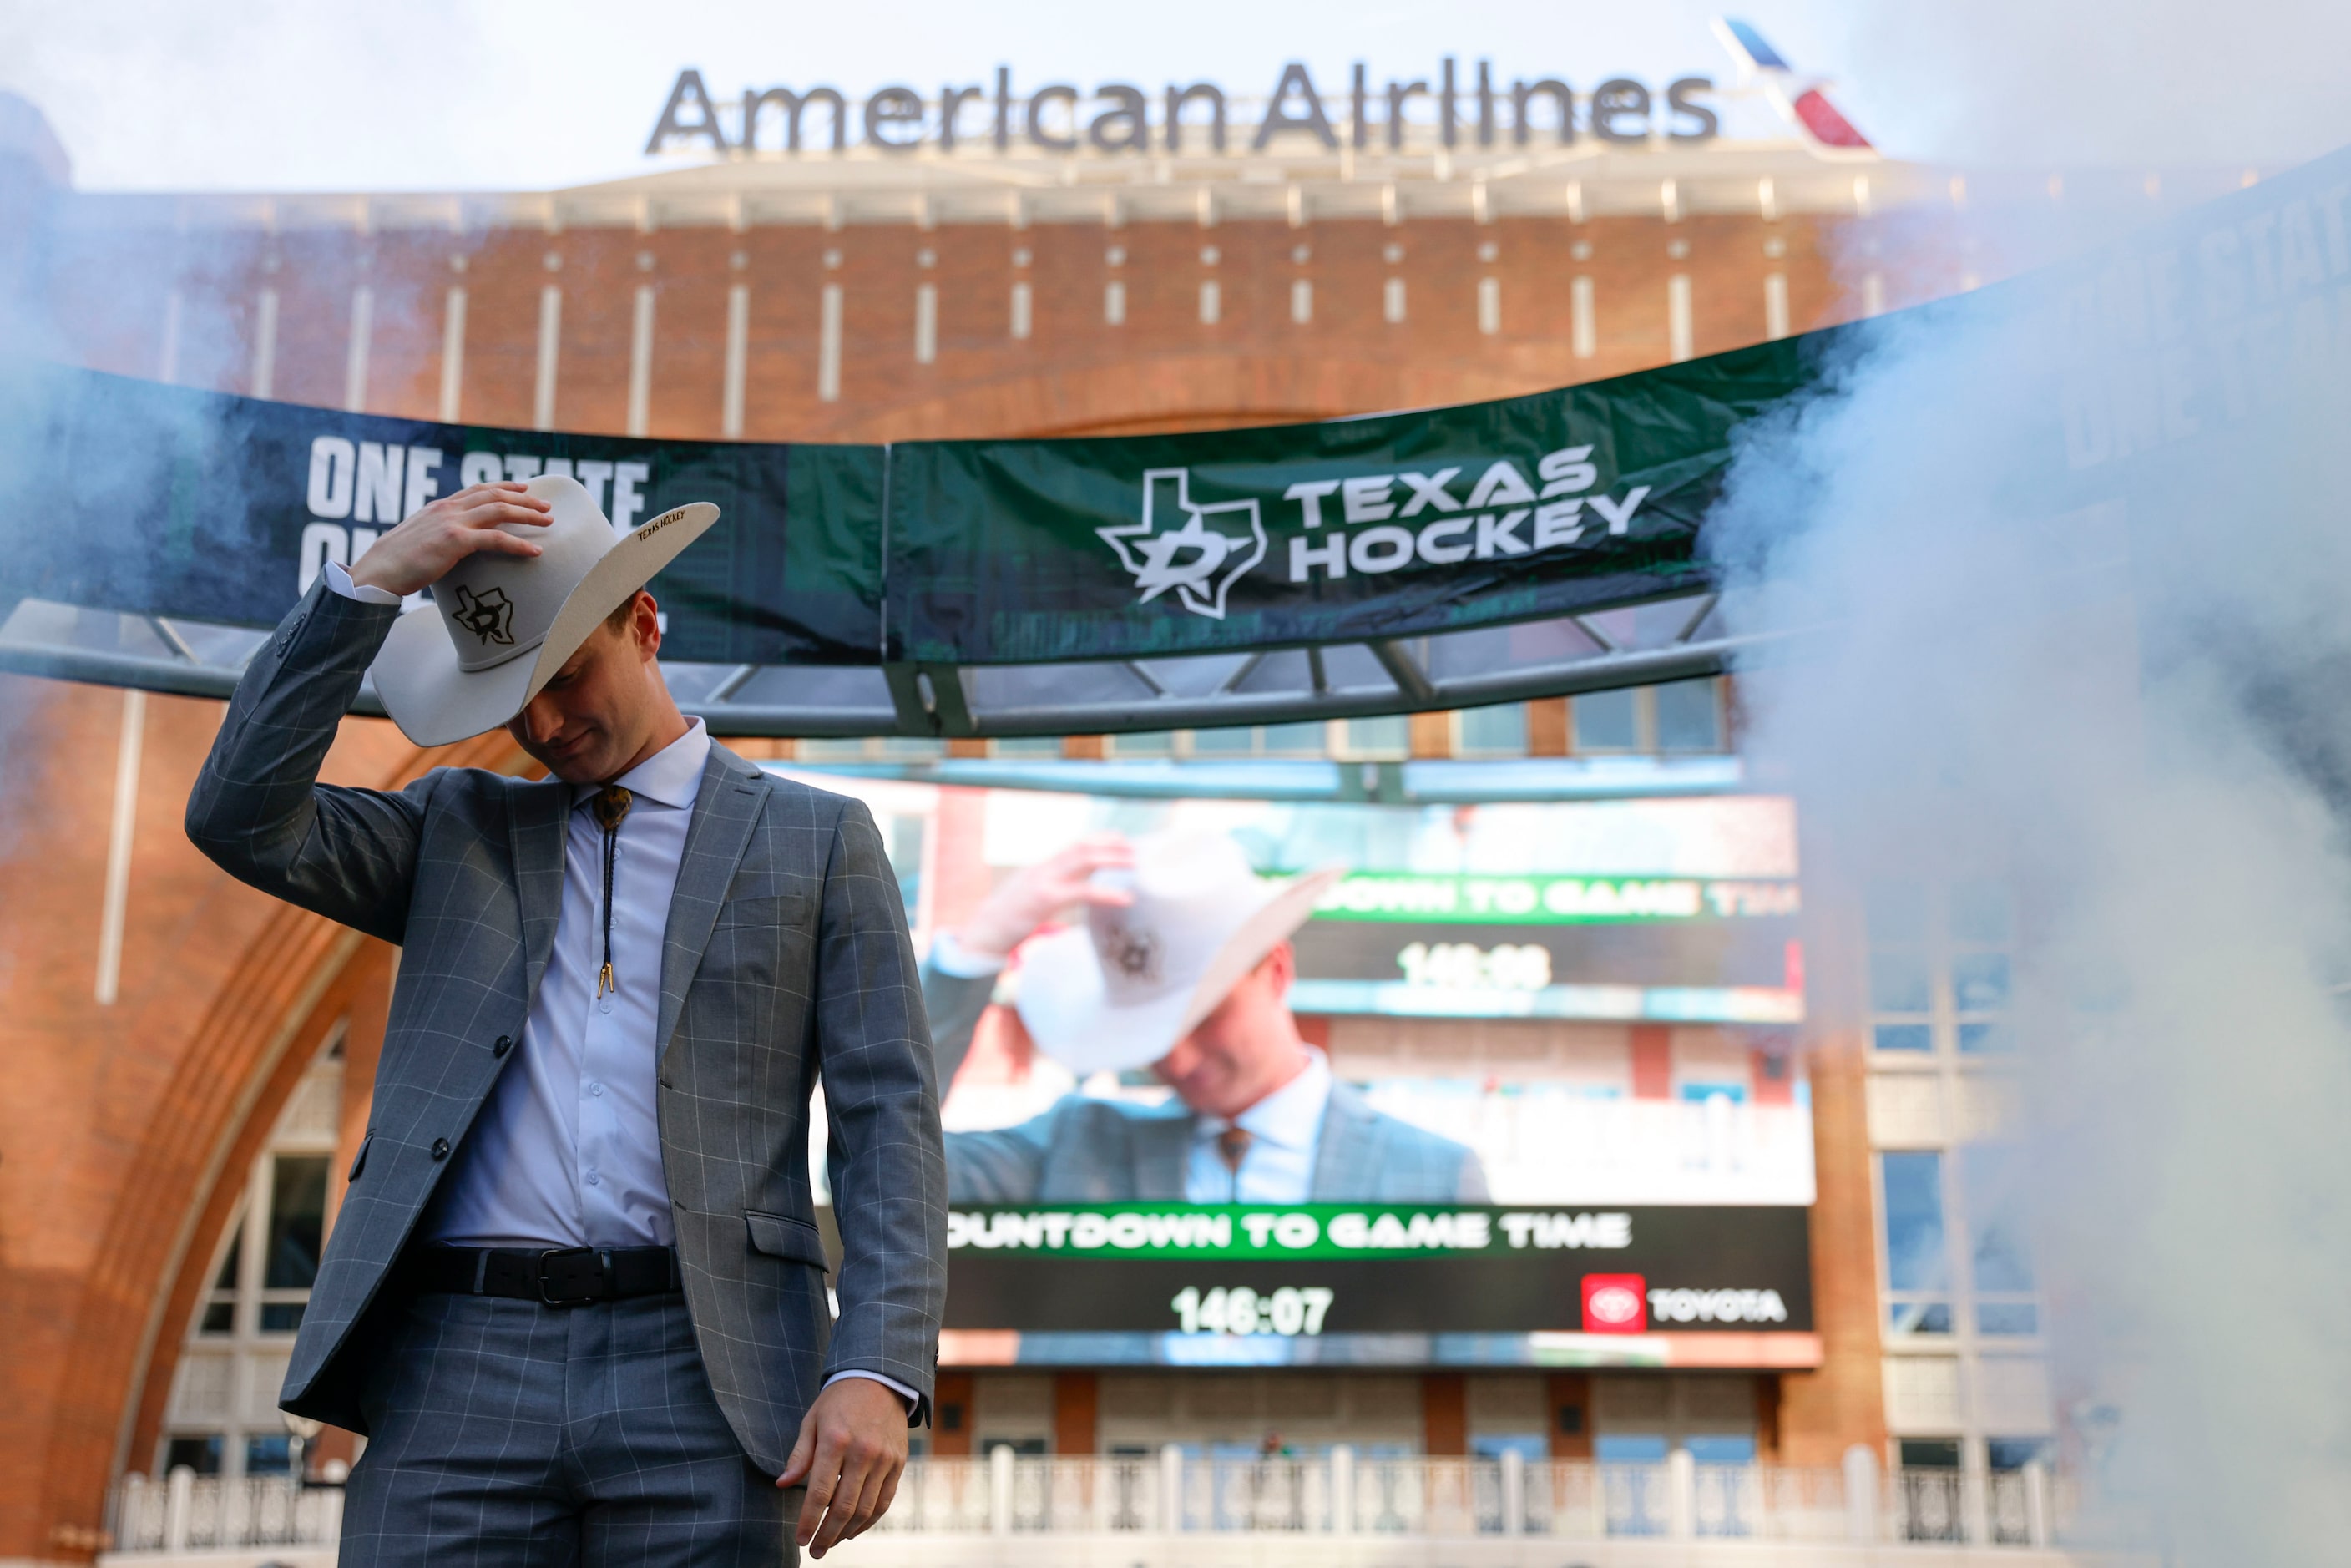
{"points": [[489, 616], [1200, 560], [1134, 953]]}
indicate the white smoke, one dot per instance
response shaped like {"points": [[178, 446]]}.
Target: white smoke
{"points": [[2026, 82], [2063, 574]]}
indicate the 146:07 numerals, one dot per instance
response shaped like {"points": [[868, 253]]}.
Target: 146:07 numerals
{"points": [[1239, 1310]]}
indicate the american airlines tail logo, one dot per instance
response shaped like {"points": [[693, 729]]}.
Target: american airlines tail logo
{"points": [[1200, 551]]}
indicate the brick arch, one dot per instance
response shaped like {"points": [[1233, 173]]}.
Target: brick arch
{"points": [[297, 976], [1184, 391]]}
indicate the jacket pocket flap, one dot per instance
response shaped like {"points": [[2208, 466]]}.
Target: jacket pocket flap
{"points": [[781, 909], [781, 1235]]}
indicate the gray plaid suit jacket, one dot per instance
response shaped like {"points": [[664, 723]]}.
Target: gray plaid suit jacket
{"points": [[1102, 1151], [785, 962]]}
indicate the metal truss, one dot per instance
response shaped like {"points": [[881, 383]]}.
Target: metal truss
{"points": [[1681, 638], [1447, 781]]}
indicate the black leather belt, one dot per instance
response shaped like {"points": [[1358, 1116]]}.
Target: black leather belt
{"points": [[559, 1276]]}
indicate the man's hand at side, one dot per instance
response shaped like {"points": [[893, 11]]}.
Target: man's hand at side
{"points": [[850, 1453], [437, 536]]}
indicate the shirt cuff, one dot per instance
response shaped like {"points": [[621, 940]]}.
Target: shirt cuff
{"points": [[338, 582], [953, 959], [892, 1383]]}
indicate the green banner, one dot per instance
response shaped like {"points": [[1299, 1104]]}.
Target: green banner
{"points": [[1390, 526], [171, 501]]}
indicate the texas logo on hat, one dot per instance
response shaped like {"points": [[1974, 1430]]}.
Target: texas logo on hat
{"points": [[489, 616]]}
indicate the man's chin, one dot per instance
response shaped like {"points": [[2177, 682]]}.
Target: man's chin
{"points": [[1205, 1100], [577, 765]]}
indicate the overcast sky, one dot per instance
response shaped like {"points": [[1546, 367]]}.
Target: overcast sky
{"points": [[530, 94]]}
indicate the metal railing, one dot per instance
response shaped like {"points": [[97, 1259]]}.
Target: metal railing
{"points": [[1338, 1493], [187, 1513]]}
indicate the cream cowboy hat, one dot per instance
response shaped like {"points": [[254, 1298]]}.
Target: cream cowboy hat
{"points": [[507, 623], [1121, 990]]}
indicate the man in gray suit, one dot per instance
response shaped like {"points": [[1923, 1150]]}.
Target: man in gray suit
{"points": [[575, 1295], [1184, 963]]}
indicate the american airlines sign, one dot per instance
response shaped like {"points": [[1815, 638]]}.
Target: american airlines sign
{"points": [[1480, 110]]}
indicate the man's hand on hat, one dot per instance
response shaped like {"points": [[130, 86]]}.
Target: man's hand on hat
{"points": [[438, 536], [1036, 894]]}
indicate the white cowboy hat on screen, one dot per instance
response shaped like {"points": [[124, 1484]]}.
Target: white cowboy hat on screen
{"points": [[1121, 990], [507, 623]]}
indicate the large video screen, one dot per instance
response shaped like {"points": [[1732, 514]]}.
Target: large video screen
{"points": [[1562, 1121]]}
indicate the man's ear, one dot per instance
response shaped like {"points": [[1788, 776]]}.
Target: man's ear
{"points": [[645, 626], [1280, 967]]}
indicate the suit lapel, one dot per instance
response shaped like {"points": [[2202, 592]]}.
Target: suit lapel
{"points": [[1163, 1151], [535, 818], [724, 811], [1344, 1159]]}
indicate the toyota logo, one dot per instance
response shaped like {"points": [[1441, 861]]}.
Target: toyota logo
{"points": [[1615, 1304]]}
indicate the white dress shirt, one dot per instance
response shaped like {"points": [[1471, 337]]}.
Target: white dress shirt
{"points": [[565, 1151], [1284, 1128]]}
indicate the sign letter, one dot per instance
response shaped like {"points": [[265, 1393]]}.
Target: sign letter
{"points": [[1309, 115], [1307, 492], [689, 93], [892, 107], [1620, 512], [1331, 555], [332, 464]]}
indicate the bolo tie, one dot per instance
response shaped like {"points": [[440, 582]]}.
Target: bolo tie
{"points": [[611, 805], [1233, 1147]]}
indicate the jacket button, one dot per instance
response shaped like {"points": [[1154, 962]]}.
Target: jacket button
{"points": [[440, 1148], [505, 1043]]}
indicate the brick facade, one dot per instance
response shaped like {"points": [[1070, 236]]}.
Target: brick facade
{"points": [[124, 1124], [128, 1127]]}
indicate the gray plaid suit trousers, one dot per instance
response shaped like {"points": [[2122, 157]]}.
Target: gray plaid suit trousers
{"points": [[514, 1435]]}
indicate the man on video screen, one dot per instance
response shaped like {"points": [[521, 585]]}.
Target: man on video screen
{"points": [[1182, 964]]}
